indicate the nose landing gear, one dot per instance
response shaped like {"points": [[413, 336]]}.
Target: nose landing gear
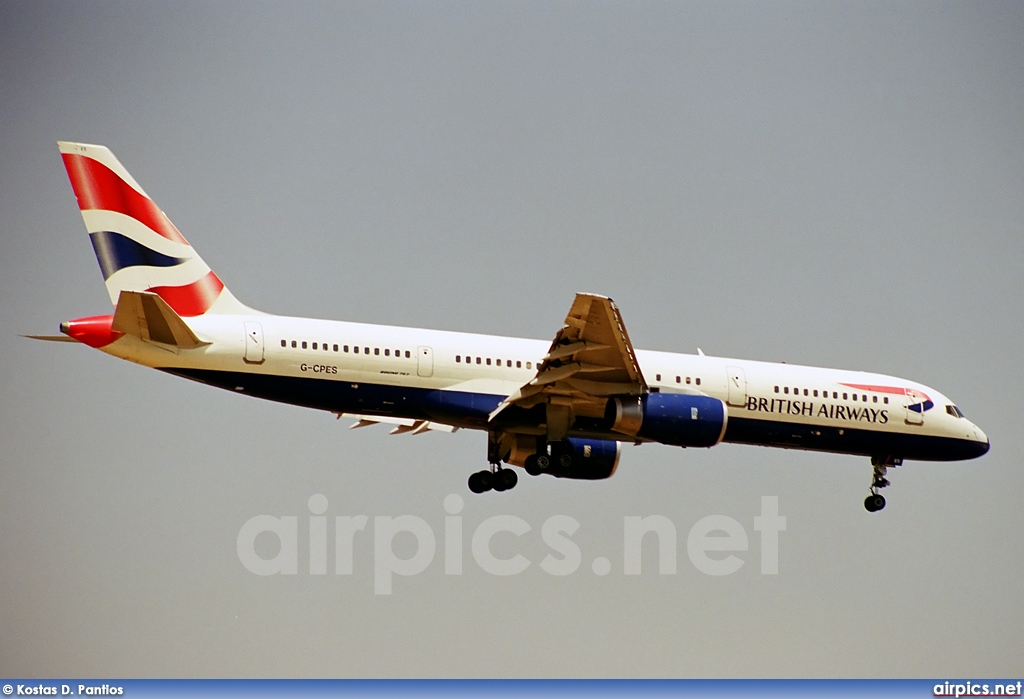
{"points": [[874, 502], [880, 464]]}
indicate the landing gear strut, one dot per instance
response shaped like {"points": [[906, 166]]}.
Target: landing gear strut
{"points": [[875, 501], [496, 478]]}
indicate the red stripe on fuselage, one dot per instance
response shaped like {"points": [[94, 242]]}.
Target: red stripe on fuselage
{"points": [[192, 299], [99, 187], [912, 392], [877, 389]]}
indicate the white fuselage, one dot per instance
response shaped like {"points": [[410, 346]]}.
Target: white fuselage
{"points": [[375, 369]]}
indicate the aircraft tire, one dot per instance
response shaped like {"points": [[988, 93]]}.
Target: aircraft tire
{"points": [[531, 467], [874, 502], [480, 482], [507, 478]]}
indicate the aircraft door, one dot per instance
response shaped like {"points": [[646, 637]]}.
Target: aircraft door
{"points": [[253, 343], [737, 379], [915, 407], [425, 362]]}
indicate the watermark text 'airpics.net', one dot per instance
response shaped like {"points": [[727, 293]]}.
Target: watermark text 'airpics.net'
{"points": [[714, 544]]}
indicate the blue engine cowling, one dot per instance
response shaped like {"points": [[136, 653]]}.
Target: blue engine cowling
{"points": [[677, 419], [584, 459]]}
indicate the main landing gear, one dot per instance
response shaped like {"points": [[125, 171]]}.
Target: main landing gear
{"points": [[876, 501], [496, 478]]}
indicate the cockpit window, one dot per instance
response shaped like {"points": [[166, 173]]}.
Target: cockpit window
{"points": [[954, 411]]}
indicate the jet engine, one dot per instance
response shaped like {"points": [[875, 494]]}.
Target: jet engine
{"points": [[679, 419]]}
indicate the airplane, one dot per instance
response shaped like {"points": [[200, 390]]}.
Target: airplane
{"points": [[561, 408]]}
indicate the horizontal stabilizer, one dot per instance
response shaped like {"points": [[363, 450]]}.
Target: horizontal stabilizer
{"points": [[403, 425], [51, 338], [145, 315]]}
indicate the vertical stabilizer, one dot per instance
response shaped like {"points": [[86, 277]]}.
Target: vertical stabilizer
{"points": [[137, 246]]}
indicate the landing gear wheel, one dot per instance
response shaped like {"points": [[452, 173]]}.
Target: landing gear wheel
{"points": [[506, 478], [481, 481], [874, 502], [531, 466], [543, 462]]}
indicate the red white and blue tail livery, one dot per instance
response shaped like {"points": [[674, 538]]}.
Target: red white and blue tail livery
{"points": [[137, 246], [561, 407]]}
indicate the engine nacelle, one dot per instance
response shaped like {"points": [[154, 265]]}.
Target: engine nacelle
{"points": [[584, 459], [677, 419]]}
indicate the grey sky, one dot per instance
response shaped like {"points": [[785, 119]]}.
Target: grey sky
{"points": [[835, 184]]}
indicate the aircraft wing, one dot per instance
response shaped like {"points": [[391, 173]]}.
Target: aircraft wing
{"points": [[590, 359]]}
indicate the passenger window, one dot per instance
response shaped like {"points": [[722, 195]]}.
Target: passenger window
{"points": [[785, 389], [283, 343], [805, 391], [519, 364], [335, 348], [458, 359], [854, 396], [407, 354], [688, 381], [376, 351], [387, 353], [698, 381], [679, 379], [886, 400], [864, 398], [303, 344], [815, 393], [479, 360], [657, 377], [488, 361], [776, 389], [844, 397], [528, 365], [874, 399], [835, 394]]}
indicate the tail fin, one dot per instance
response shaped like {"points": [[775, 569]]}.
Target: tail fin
{"points": [[137, 246]]}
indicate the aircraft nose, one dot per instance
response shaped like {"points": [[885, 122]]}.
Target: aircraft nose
{"points": [[983, 445]]}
